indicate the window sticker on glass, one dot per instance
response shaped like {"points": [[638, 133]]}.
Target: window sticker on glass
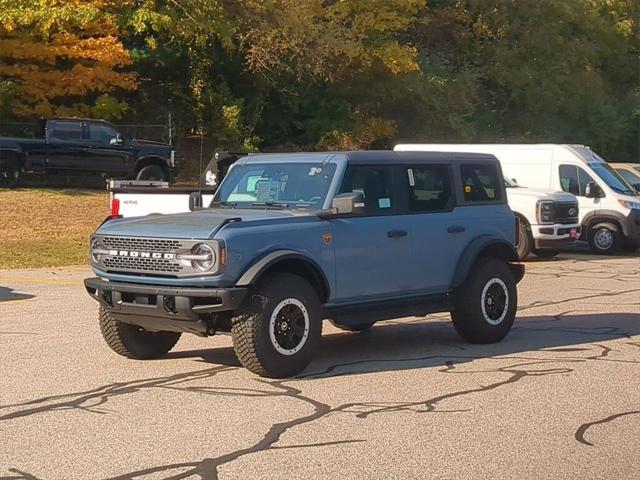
{"points": [[263, 188], [315, 171], [384, 203], [412, 180]]}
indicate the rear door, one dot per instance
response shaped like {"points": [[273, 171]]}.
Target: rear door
{"points": [[66, 144], [438, 235], [373, 250]]}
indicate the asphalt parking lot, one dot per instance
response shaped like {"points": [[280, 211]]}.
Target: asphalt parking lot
{"points": [[559, 398]]}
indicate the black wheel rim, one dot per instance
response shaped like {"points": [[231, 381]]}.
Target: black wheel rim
{"points": [[495, 302], [289, 327]]}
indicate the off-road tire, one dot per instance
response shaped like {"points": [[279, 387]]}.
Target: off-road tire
{"points": [[469, 318], [9, 175], [134, 342], [598, 246], [545, 252], [359, 327], [252, 323], [525, 241], [152, 172]]}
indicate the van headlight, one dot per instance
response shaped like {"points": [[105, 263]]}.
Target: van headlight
{"points": [[545, 211], [628, 204]]}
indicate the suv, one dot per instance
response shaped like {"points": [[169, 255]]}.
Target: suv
{"points": [[291, 239]]}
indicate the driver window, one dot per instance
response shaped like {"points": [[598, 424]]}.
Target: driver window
{"points": [[101, 133], [574, 179]]}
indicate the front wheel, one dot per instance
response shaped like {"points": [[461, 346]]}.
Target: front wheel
{"points": [[604, 240], [9, 175], [135, 342], [485, 306], [525, 242], [278, 328]]}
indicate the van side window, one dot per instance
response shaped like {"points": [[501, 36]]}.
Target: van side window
{"points": [[481, 182], [430, 188], [376, 185], [574, 179]]}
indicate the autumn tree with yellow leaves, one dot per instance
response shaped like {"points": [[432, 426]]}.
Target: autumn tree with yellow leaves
{"points": [[62, 58]]}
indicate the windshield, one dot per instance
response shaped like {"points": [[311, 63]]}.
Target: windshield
{"points": [[612, 178], [605, 171], [270, 184]]}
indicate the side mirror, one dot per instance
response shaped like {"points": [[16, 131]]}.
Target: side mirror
{"points": [[514, 181], [118, 140], [195, 201], [592, 190], [351, 203]]}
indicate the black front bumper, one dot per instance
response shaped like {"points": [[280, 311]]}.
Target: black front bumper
{"points": [[181, 309]]}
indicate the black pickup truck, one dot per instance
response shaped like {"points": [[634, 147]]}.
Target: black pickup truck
{"points": [[82, 146]]}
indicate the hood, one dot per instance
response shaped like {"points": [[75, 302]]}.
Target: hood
{"points": [[199, 224], [541, 194]]}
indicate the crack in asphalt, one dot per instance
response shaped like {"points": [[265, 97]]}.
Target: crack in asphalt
{"points": [[582, 430]]}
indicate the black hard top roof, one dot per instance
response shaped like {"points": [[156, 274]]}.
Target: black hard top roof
{"points": [[368, 157], [384, 156]]}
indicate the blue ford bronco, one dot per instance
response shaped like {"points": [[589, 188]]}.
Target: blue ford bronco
{"points": [[291, 239]]}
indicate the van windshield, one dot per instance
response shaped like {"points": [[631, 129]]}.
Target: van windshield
{"points": [[606, 172], [612, 178], [276, 185]]}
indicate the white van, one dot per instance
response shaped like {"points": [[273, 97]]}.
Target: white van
{"points": [[609, 208]]}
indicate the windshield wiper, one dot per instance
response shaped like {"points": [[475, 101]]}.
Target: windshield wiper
{"points": [[270, 204], [224, 204]]}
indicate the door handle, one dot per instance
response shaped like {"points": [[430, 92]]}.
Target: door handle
{"points": [[456, 229], [396, 233]]}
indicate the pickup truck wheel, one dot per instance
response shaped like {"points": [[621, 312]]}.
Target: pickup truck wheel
{"points": [[485, 306], [132, 341], [525, 242], [604, 240], [545, 252], [9, 176], [358, 327], [152, 172], [277, 329]]}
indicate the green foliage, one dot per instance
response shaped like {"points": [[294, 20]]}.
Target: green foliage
{"points": [[317, 74]]}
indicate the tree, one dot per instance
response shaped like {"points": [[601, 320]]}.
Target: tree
{"points": [[63, 57]]}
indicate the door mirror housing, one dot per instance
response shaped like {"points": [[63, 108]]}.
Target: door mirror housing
{"points": [[351, 203], [117, 140], [592, 190], [195, 201]]}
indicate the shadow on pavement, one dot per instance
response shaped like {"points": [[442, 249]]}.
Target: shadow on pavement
{"points": [[420, 343], [8, 295]]}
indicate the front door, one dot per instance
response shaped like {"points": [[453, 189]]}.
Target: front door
{"points": [[66, 145], [373, 251], [103, 153]]}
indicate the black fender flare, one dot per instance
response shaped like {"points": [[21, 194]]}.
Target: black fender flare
{"points": [[12, 149], [492, 246], [142, 162], [608, 218], [260, 266]]}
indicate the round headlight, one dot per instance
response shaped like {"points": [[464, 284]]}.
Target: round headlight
{"points": [[95, 245], [207, 257]]}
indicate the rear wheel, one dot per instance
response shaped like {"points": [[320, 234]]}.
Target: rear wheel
{"points": [[604, 240], [358, 327], [525, 242], [135, 342], [9, 174], [485, 306], [278, 328], [152, 172]]}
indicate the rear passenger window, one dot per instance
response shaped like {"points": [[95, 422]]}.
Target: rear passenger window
{"points": [[481, 183], [67, 130], [376, 185], [430, 188]]}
